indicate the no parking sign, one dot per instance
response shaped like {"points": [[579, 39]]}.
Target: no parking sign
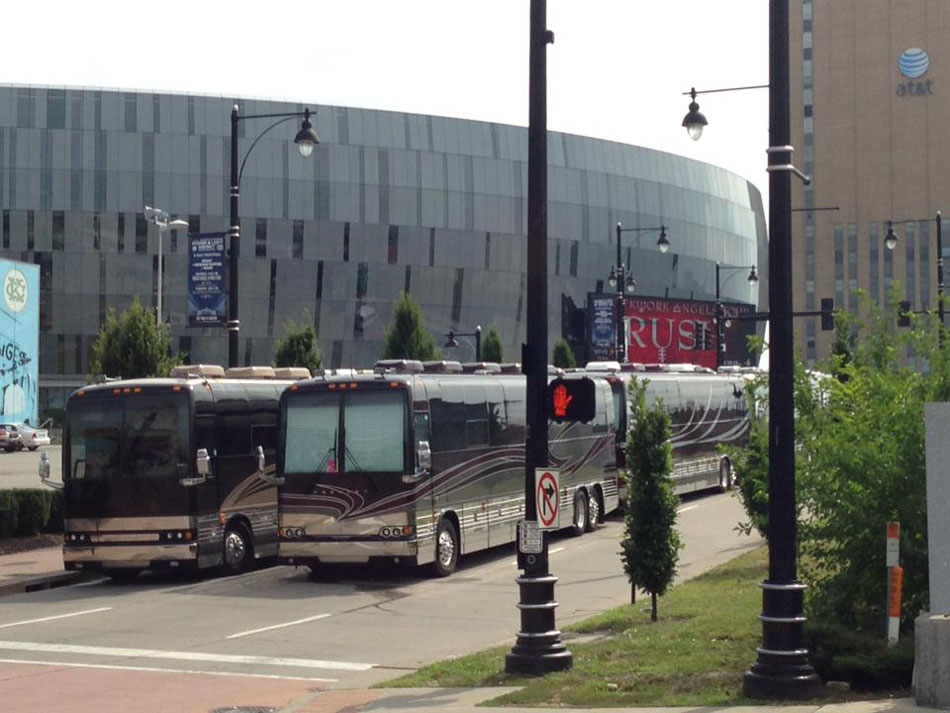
{"points": [[547, 497]]}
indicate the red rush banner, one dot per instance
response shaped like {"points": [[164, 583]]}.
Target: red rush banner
{"points": [[671, 331]]}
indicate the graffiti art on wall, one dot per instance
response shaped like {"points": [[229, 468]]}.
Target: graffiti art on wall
{"points": [[19, 341]]}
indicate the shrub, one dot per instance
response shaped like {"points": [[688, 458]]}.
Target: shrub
{"points": [[841, 653], [33, 511], [8, 513], [56, 522]]}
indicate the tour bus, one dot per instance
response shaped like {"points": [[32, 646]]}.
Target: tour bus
{"points": [[161, 473], [418, 465], [706, 409]]}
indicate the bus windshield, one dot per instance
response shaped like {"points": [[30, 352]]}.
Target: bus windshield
{"points": [[348, 432], [137, 436]]}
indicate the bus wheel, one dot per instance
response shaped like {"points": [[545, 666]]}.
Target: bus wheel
{"points": [[581, 514], [237, 548], [725, 476], [446, 549], [594, 511]]}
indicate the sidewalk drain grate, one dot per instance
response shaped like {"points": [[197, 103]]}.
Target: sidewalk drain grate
{"points": [[244, 709]]}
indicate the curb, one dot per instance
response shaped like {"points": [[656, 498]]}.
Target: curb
{"points": [[35, 583]]}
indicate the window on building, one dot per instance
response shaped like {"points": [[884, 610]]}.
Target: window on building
{"points": [[56, 109], [260, 238]]}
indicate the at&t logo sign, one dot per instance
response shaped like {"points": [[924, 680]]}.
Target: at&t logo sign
{"points": [[913, 64]]}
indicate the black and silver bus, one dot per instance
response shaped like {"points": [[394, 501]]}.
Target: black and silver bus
{"points": [[420, 468], [706, 409], [161, 473]]}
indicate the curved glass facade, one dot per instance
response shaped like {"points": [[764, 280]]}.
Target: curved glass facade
{"points": [[387, 202]]}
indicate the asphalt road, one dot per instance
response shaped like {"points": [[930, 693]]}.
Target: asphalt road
{"points": [[346, 628], [19, 469]]}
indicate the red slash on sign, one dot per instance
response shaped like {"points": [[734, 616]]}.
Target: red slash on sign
{"points": [[548, 499]]}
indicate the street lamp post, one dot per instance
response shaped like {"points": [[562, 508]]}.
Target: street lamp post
{"points": [[890, 242], [782, 669], [161, 221], [621, 278], [452, 342], [305, 139], [752, 279]]}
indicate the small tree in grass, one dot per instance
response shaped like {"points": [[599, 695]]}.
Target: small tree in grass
{"points": [[651, 543], [132, 345], [563, 357], [298, 347], [492, 349], [407, 337]]}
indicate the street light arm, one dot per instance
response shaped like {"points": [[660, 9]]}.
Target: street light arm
{"points": [[284, 120], [694, 92]]}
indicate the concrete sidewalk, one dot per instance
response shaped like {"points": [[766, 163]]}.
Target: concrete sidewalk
{"points": [[34, 569]]}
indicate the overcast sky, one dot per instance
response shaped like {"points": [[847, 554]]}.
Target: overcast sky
{"points": [[617, 69]]}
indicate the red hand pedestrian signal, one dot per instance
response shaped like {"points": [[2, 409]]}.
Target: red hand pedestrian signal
{"points": [[571, 399], [561, 401]]}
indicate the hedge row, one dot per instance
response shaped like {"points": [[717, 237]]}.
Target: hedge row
{"points": [[24, 513]]}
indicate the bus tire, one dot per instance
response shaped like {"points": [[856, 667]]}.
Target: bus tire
{"points": [[581, 518], [238, 550], [595, 509], [725, 476], [446, 548]]}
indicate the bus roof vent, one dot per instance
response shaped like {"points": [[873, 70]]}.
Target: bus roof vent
{"points": [[183, 371], [442, 367], [511, 368], [250, 372], [481, 367], [401, 366], [603, 366], [291, 372]]}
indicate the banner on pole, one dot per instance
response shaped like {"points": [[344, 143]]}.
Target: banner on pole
{"points": [[207, 295]]}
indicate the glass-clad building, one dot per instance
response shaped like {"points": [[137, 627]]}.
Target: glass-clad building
{"points": [[387, 202]]}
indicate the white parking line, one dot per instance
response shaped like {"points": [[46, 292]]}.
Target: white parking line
{"points": [[59, 664], [183, 656], [686, 508], [51, 618], [278, 626]]}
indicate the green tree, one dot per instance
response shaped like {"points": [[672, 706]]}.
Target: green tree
{"points": [[860, 463], [563, 357], [407, 337], [651, 544], [298, 347], [492, 349], [131, 345]]}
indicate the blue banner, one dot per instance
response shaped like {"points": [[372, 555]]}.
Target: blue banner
{"points": [[207, 294], [19, 341], [602, 323]]}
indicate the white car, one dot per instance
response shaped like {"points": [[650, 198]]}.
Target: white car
{"points": [[29, 437]]}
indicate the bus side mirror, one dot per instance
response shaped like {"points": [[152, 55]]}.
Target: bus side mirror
{"points": [[424, 455], [262, 469], [44, 473], [423, 463], [202, 467]]}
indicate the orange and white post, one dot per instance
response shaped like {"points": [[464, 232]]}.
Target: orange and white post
{"points": [[895, 582]]}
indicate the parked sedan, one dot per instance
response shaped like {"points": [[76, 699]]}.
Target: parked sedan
{"points": [[17, 436], [9, 438], [32, 438]]}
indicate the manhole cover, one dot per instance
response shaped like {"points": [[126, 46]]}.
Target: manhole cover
{"points": [[244, 709]]}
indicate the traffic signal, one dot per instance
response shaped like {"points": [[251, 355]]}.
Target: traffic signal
{"points": [[571, 400], [827, 314], [903, 314]]}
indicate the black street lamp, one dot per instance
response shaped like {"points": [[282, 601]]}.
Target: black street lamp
{"points": [[305, 139], [621, 278], [890, 242], [452, 342], [782, 669], [538, 648], [752, 279]]}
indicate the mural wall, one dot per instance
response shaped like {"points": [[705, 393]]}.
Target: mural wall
{"points": [[19, 341]]}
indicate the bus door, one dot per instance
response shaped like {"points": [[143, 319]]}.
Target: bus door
{"points": [[204, 497]]}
